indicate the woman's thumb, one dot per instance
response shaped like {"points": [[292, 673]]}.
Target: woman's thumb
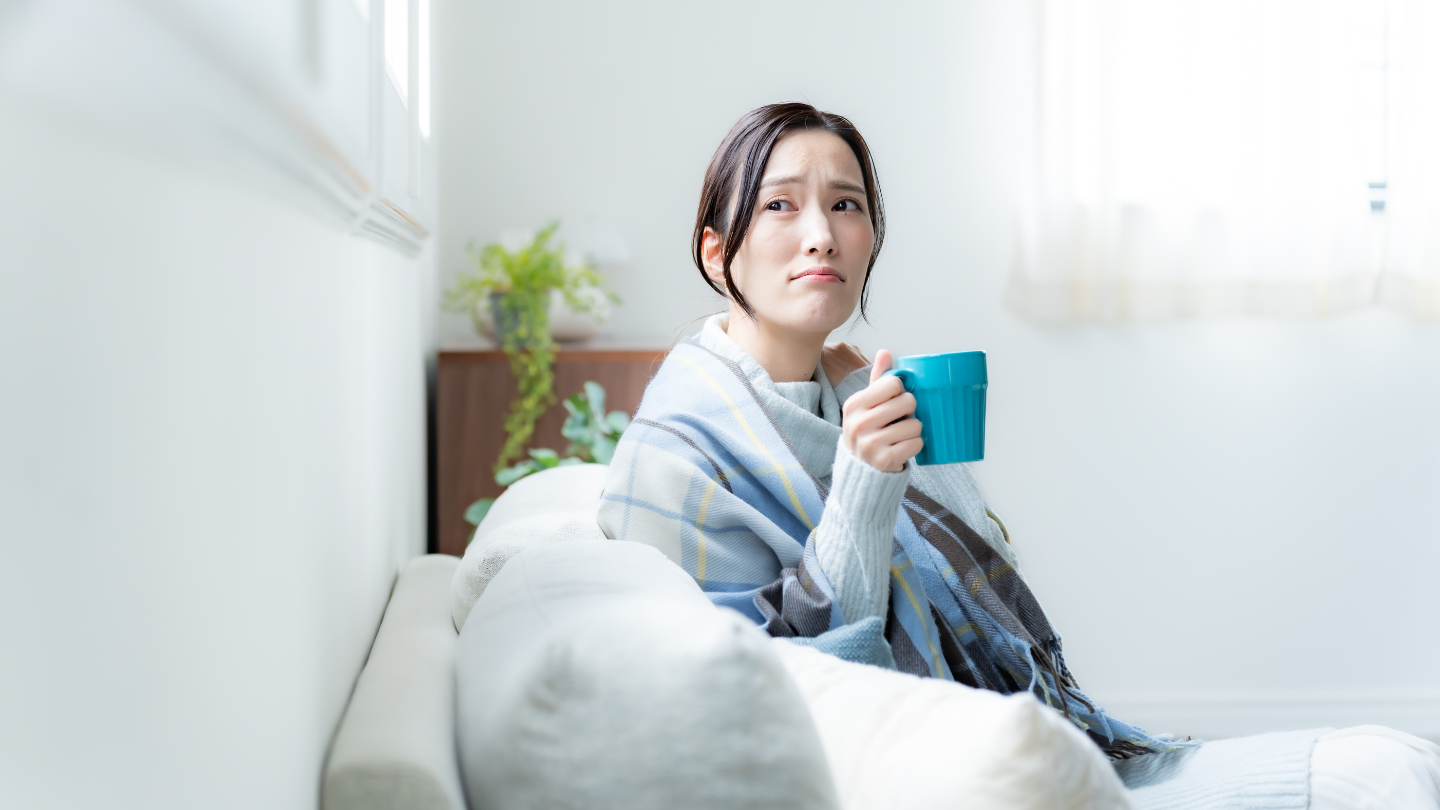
{"points": [[881, 365]]}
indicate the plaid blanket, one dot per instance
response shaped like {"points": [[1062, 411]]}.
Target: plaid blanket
{"points": [[704, 474]]}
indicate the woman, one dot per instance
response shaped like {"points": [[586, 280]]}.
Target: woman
{"points": [[777, 468]]}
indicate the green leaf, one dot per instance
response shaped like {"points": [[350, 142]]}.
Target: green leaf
{"points": [[571, 461], [545, 456], [604, 449], [617, 421], [577, 427], [477, 511], [510, 475], [596, 397]]}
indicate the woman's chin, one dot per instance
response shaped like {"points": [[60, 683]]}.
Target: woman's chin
{"points": [[825, 320]]}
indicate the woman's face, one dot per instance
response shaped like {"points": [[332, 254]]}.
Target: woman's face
{"points": [[802, 265]]}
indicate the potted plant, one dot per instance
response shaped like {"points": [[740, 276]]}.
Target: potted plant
{"points": [[516, 288]]}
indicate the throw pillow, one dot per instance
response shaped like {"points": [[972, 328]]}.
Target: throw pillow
{"points": [[597, 675], [898, 741]]}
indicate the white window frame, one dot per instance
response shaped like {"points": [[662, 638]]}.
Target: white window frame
{"points": [[298, 104]]}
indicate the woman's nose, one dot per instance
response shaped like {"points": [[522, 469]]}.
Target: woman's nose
{"points": [[818, 239]]}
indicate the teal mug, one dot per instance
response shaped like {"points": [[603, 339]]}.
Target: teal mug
{"points": [[949, 394]]}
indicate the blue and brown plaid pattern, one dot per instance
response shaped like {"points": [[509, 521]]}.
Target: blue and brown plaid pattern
{"points": [[706, 476]]}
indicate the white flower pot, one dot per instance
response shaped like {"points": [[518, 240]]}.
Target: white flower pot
{"points": [[566, 325], [569, 326]]}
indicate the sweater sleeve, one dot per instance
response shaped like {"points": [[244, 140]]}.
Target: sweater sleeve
{"points": [[854, 538]]}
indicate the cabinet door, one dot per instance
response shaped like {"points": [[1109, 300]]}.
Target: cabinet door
{"points": [[473, 393]]}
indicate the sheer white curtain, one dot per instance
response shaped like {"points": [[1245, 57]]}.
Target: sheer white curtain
{"points": [[1214, 157], [1411, 281]]}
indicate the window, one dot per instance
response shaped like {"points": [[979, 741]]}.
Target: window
{"points": [[397, 46], [424, 48], [298, 103], [1373, 43], [1218, 157]]}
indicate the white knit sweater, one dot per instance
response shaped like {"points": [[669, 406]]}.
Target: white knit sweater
{"points": [[854, 538]]}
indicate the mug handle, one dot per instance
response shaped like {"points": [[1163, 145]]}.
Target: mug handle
{"points": [[907, 378]]}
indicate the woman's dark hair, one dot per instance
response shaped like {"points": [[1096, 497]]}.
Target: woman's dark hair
{"points": [[737, 168]]}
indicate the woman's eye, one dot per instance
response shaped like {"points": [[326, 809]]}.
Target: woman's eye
{"points": [[779, 205], [847, 205]]}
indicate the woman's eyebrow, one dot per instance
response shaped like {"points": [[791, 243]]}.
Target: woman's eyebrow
{"points": [[842, 185], [783, 181]]}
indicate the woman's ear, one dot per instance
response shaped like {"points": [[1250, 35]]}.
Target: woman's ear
{"points": [[712, 248]]}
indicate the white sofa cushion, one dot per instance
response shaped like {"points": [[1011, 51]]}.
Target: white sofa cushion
{"points": [[574, 488], [897, 741], [597, 675], [395, 748], [485, 557], [554, 505]]}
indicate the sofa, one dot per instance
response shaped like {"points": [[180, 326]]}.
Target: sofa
{"points": [[552, 667]]}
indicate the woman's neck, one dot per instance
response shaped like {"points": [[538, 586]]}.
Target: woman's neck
{"points": [[786, 355]]}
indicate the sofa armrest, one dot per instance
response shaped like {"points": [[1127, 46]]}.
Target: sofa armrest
{"points": [[395, 747]]}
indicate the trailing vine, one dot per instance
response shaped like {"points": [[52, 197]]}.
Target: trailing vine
{"points": [[529, 349], [516, 287]]}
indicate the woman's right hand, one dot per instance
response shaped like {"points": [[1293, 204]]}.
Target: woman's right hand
{"points": [[868, 431]]}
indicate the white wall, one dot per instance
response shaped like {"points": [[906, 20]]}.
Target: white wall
{"points": [[1233, 523], [211, 466]]}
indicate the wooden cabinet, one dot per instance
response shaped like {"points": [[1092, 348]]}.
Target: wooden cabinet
{"points": [[473, 392]]}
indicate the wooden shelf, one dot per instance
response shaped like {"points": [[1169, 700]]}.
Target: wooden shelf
{"points": [[473, 391]]}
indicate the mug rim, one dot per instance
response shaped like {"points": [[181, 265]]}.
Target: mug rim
{"points": [[938, 354]]}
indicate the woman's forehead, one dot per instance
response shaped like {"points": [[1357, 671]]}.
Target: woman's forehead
{"points": [[799, 155]]}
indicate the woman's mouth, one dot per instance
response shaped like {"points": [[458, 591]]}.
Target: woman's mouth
{"points": [[820, 274]]}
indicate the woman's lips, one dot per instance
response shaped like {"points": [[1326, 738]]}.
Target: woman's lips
{"points": [[819, 275]]}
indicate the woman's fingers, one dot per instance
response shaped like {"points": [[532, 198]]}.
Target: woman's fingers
{"points": [[876, 428], [889, 449], [884, 413], [903, 452], [888, 457], [902, 431], [878, 391]]}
